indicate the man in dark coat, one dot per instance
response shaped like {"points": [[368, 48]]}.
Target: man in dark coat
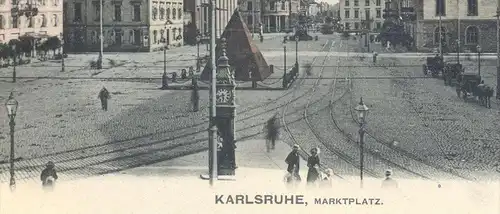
{"points": [[293, 161], [49, 175], [104, 96]]}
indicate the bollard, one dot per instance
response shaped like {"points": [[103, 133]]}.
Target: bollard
{"points": [[271, 68], [174, 77], [254, 84], [375, 54], [164, 81], [316, 37], [284, 79], [183, 74]]}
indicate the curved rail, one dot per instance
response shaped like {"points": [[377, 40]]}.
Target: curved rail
{"points": [[287, 128], [342, 155]]}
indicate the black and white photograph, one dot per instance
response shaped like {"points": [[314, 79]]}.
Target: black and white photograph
{"points": [[250, 106]]}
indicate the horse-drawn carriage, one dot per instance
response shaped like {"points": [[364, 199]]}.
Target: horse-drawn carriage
{"points": [[434, 65], [451, 71], [470, 85]]}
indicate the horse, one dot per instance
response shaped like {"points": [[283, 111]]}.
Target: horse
{"points": [[484, 94]]}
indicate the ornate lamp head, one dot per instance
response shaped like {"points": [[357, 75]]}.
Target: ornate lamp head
{"points": [[11, 105], [362, 110], [224, 74]]}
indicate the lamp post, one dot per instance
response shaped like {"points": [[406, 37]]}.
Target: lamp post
{"points": [[11, 106], [101, 35], [198, 40], [284, 54], [362, 110], [478, 47], [440, 37], [458, 50], [296, 51], [498, 49], [164, 41], [14, 58], [62, 52]]}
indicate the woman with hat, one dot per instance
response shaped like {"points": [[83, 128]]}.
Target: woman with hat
{"points": [[313, 164]]}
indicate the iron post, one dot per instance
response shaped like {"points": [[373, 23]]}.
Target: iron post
{"points": [[14, 51], [440, 36], [458, 33], [12, 105], [164, 55], [296, 50], [479, 59], [198, 40], [101, 53], [498, 49], [62, 53], [213, 129], [361, 152]]}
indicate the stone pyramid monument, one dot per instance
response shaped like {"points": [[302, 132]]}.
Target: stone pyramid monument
{"points": [[244, 57]]}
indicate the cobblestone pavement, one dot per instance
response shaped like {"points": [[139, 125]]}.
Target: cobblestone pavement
{"points": [[428, 120], [60, 120]]}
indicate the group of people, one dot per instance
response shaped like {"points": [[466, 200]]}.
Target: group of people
{"points": [[314, 175]]}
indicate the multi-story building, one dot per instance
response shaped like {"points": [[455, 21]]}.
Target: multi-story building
{"points": [[354, 13], [201, 16], [274, 15], [48, 21], [128, 25], [472, 20]]}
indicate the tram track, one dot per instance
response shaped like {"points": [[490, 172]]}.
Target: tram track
{"points": [[121, 154], [182, 128], [344, 160], [286, 126], [433, 169]]}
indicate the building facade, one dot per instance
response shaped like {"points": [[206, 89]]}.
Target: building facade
{"points": [[471, 22], [128, 25], [48, 21], [353, 14], [274, 15], [200, 13]]}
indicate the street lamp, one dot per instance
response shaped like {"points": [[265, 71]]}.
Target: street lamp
{"points": [[164, 41], [362, 110], [478, 47], [198, 40], [296, 51], [11, 106], [14, 58], [62, 52], [284, 53], [285, 82]]}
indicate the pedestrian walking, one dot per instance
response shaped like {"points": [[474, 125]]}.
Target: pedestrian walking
{"points": [[293, 161], [313, 164], [104, 96], [272, 131], [49, 176], [388, 182]]}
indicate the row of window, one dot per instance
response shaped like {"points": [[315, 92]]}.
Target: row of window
{"points": [[472, 8], [471, 34], [347, 14], [175, 33], [165, 14], [367, 3], [31, 22], [117, 12], [358, 25]]}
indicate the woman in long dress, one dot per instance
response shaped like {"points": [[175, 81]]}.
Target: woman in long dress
{"points": [[313, 164]]}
